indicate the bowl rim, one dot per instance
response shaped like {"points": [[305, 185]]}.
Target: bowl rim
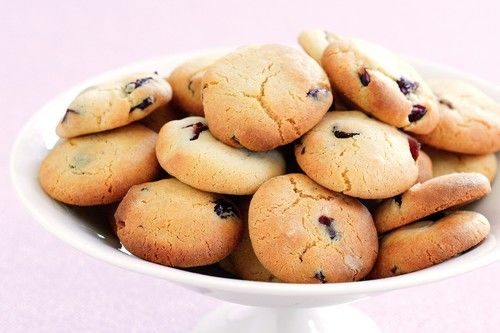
{"points": [[196, 280]]}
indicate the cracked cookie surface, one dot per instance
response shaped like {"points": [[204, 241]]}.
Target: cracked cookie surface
{"points": [[303, 233], [187, 150], [379, 83], [469, 121], [114, 104], [429, 197], [173, 224], [262, 97], [186, 83], [351, 153], [427, 243], [99, 168]]}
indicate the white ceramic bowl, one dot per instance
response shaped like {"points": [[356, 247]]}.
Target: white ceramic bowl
{"points": [[84, 233]]}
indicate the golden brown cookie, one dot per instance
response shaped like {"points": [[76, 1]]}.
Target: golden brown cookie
{"points": [[424, 164], [187, 150], [444, 162], [173, 224], [379, 83], [114, 104], [186, 83], [243, 260], [427, 243], [432, 196], [303, 233], [99, 168], [262, 97], [350, 153], [315, 42], [469, 122]]}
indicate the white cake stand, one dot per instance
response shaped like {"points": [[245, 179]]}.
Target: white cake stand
{"points": [[263, 307]]}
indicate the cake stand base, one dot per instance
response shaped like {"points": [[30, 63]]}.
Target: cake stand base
{"points": [[245, 319]]}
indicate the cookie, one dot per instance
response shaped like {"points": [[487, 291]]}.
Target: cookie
{"points": [[99, 168], [173, 224], [427, 243], [243, 260], [379, 83], [303, 233], [444, 162], [469, 122], [186, 83], [432, 196], [114, 104], [227, 266], [315, 42], [349, 152], [159, 117], [262, 97], [187, 150], [424, 164]]}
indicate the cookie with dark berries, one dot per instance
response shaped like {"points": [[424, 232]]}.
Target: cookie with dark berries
{"points": [[432, 196], [114, 104], [304, 233], [187, 150], [173, 224], [351, 153], [380, 83], [262, 97]]}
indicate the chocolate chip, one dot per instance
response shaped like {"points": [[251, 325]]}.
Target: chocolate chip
{"points": [[319, 276], [197, 129], [446, 102], [224, 209], [317, 93], [364, 77], [406, 86], [66, 114], [329, 222], [303, 151], [136, 84], [342, 134], [394, 269], [414, 147], [398, 199], [144, 104], [145, 189], [417, 112]]}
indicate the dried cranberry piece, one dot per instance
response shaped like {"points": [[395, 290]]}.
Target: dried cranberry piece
{"points": [[319, 276], [342, 134], [224, 209], [398, 199], [328, 222], [414, 147], [317, 93], [417, 112], [406, 86], [136, 84], [364, 77], [144, 104], [197, 129]]}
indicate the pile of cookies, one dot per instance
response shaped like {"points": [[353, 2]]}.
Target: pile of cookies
{"points": [[284, 165]]}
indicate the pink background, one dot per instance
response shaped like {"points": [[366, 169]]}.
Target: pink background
{"points": [[49, 46]]}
